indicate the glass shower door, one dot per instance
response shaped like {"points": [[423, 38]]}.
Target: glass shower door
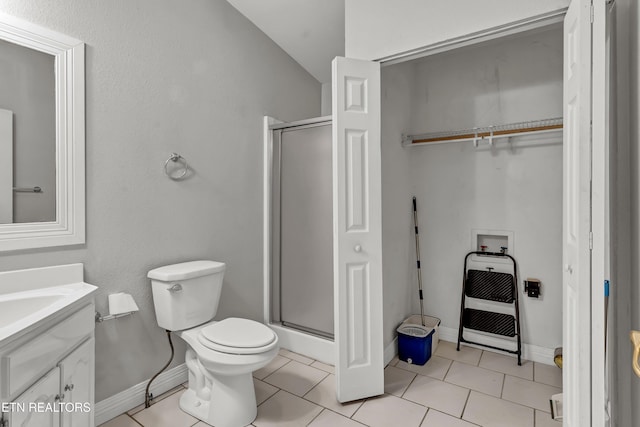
{"points": [[303, 229]]}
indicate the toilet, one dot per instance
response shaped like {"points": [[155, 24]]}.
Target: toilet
{"points": [[221, 355]]}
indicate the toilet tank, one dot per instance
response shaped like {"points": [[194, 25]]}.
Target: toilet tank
{"points": [[186, 294]]}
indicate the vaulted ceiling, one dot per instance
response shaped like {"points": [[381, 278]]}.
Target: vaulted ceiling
{"points": [[310, 31]]}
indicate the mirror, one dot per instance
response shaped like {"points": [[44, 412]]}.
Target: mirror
{"points": [[42, 137], [27, 135]]}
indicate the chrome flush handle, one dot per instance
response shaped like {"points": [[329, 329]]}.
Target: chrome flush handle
{"points": [[175, 288]]}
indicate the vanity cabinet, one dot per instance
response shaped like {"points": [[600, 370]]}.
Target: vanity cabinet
{"points": [[48, 377]]}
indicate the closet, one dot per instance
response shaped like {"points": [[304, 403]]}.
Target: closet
{"points": [[475, 133]]}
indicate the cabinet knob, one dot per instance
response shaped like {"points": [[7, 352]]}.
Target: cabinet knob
{"points": [[59, 397], [68, 387], [357, 248]]}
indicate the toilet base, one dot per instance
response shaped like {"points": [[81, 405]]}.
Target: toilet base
{"points": [[232, 402]]}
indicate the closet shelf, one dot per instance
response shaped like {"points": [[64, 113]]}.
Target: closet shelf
{"points": [[487, 133]]}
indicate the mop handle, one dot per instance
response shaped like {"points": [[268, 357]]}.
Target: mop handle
{"points": [[415, 223]]}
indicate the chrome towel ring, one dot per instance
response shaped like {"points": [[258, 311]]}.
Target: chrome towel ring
{"points": [[175, 157]]}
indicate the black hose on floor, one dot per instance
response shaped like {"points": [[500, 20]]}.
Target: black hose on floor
{"points": [[148, 396]]}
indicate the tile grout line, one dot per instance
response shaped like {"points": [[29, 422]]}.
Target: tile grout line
{"points": [[359, 407], [134, 420], [267, 376], [461, 419], [326, 374], [464, 408], [514, 403], [314, 418], [415, 375], [313, 388], [448, 369], [425, 415], [339, 414]]}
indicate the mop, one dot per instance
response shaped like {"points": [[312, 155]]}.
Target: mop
{"points": [[417, 341], [415, 223]]}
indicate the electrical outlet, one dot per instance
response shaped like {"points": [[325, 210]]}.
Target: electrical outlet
{"points": [[532, 287]]}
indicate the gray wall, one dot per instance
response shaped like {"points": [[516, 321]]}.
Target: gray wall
{"points": [[191, 77], [510, 187], [398, 250], [28, 89], [628, 242], [377, 28], [634, 137], [625, 196]]}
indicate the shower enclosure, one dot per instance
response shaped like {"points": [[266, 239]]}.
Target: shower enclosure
{"points": [[302, 227]]}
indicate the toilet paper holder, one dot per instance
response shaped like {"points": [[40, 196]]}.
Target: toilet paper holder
{"points": [[120, 304]]}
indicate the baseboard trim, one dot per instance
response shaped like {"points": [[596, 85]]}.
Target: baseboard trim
{"points": [[530, 352], [390, 351], [127, 399]]}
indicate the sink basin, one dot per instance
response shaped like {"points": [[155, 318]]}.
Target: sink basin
{"points": [[14, 309], [21, 310]]}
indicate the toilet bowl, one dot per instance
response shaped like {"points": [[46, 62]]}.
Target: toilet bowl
{"points": [[221, 390], [221, 355]]}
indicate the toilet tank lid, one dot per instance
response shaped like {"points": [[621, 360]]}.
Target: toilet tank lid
{"points": [[185, 270]]}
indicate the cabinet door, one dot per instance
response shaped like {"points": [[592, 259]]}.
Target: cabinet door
{"points": [[37, 406], [77, 373]]}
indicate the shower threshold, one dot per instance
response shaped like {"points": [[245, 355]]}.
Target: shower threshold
{"points": [[311, 331]]}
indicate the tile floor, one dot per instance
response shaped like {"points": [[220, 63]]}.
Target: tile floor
{"points": [[454, 389]]}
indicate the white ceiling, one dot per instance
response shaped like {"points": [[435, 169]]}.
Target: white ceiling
{"points": [[310, 31]]}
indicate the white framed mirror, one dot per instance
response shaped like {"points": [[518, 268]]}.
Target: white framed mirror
{"points": [[42, 137]]}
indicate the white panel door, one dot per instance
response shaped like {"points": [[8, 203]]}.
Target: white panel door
{"points": [[6, 166], [357, 229], [583, 213]]}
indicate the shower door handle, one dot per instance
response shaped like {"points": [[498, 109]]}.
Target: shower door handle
{"points": [[635, 339]]}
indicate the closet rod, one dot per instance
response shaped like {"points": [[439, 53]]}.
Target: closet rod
{"points": [[487, 132]]}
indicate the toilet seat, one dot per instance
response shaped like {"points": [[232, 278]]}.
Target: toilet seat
{"points": [[237, 336]]}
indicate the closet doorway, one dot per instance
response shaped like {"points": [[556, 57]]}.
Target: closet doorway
{"points": [[579, 230]]}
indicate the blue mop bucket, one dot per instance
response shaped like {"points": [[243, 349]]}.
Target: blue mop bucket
{"points": [[414, 343]]}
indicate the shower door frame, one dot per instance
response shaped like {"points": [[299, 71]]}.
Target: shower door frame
{"points": [[317, 347], [276, 246]]}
